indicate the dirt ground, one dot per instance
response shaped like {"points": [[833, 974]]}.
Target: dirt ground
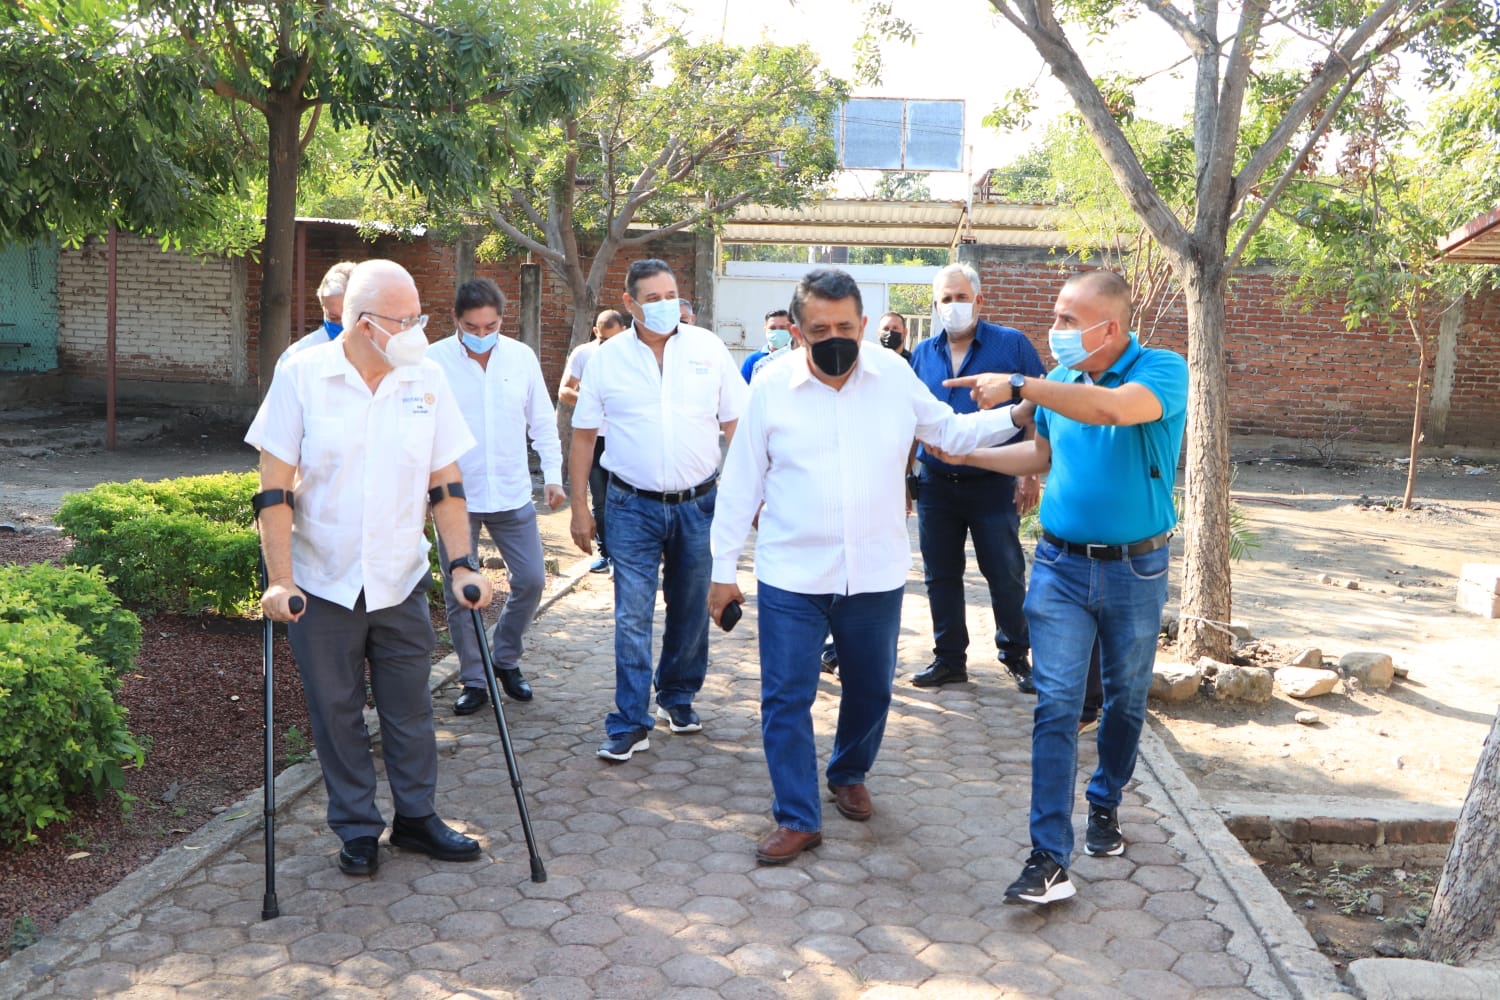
{"points": [[1418, 741]]}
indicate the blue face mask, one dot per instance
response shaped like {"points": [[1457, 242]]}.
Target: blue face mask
{"points": [[1067, 346], [661, 316], [334, 329], [477, 344], [777, 339]]}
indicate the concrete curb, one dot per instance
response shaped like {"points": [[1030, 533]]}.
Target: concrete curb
{"points": [[164, 873], [1304, 970]]}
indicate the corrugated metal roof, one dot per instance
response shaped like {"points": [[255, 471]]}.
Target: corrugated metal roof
{"points": [[869, 222], [1475, 242]]}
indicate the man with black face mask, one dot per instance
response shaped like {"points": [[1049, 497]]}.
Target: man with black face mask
{"points": [[822, 444]]}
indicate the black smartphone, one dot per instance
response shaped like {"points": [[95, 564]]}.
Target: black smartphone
{"points": [[730, 616]]}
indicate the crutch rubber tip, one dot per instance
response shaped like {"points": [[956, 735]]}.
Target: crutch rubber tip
{"points": [[269, 910]]}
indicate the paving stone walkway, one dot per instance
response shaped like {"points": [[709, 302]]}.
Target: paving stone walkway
{"points": [[653, 890]]}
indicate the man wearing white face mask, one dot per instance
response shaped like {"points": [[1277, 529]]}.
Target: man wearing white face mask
{"points": [[1109, 423], [368, 435], [954, 503], [666, 389], [499, 386]]}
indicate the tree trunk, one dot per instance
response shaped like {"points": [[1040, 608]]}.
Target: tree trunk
{"points": [[1467, 903], [1418, 413], [284, 122], [1203, 628], [585, 308]]}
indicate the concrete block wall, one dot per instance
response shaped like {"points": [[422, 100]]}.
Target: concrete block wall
{"points": [[179, 317]]}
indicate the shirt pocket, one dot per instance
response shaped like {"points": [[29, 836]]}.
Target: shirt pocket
{"points": [[698, 393]]}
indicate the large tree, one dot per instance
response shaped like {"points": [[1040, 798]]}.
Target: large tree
{"points": [[384, 64], [1239, 173], [675, 136]]}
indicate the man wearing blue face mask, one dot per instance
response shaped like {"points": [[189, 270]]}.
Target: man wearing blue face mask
{"points": [[498, 384], [955, 503], [1109, 424], [778, 336], [331, 298], [665, 389]]}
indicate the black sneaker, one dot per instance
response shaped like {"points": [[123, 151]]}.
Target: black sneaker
{"points": [[679, 718], [1019, 666], [1103, 837], [624, 747], [829, 657], [1042, 881]]}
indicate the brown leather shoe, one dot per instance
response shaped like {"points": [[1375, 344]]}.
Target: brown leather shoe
{"points": [[782, 845], [852, 802]]}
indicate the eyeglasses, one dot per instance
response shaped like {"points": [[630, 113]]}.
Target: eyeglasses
{"points": [[402, 324]]}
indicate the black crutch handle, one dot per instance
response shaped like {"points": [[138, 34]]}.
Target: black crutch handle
{"points": [[538, 870], [296, 604]]}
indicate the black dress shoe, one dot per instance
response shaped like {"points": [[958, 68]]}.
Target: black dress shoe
{"points": [[940, 673], [514, 684], [360, 856], [1019, 666], [432, 836], [470, 700]]}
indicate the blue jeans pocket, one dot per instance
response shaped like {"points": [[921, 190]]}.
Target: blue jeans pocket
{"points": [[1151, 565], [1047, 553]]}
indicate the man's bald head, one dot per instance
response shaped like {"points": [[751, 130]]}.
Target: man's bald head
{"points": [[1109, 292]]}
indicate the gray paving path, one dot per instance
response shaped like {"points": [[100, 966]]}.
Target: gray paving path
{"points": [[653, 887]]}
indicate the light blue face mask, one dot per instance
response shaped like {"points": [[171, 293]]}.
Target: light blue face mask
{"points": [[777, 339], [661, 316], [478, 344], [333, 329], [1067, 346]]}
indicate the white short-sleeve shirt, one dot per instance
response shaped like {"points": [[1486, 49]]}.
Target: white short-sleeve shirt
{"points": [[579, 360], [663, 420], [504, 403], [363, 462]]}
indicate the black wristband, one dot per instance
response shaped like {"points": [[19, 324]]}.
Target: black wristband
{"points": [[438, 494], [271, 498]]}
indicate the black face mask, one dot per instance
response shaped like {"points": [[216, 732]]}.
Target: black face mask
{"points": [[834, 356]]}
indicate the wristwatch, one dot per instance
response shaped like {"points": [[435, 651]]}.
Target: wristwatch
{"points": [[463, 562], [1017, 383]]}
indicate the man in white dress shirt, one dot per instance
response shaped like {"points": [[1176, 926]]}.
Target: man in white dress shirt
{"points": [[331, 299], [608, 323], [823, 444], [369, 435], [498, 384], [666, 389]]}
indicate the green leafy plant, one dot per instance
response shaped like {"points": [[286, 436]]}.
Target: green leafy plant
{"points": [[61, 732], [23, 932], [109, 632], [297, 747], [179, 544]]}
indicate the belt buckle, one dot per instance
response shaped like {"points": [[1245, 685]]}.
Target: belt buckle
{"points": [[1089, 547], [675, 496]]}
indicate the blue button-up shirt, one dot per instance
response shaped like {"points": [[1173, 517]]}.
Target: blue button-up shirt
{"points": [[995, 349]]}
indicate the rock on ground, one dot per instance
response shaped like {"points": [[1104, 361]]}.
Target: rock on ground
{"points": [[1252, 684], [1372, 670], [1303, 682], [1175, 682]]}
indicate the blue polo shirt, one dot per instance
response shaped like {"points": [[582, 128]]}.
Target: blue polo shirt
{"points": [[1113, 485], [748, 368], [995, 349]]}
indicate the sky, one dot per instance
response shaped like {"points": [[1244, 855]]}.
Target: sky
{"points": [[964, 50]]}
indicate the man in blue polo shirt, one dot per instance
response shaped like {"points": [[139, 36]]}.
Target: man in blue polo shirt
{"points": [[954, 502], [1109, 423]]}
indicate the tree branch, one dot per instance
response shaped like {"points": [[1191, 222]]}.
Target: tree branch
{"points": [[504, 224], [690, 220]]}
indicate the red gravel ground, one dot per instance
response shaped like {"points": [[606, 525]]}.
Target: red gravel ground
{"points": [[195, 702]]}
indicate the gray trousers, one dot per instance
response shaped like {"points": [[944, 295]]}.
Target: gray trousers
{"points": [[331, 644], [515, 534]]}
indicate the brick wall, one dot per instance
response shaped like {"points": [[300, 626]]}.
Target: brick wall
{"points": [[178, 317]]}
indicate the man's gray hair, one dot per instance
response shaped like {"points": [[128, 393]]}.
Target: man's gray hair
{"points": [[335, 281], [962, 267]]}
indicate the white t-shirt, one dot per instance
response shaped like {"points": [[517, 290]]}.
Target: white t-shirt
{"points": [[578, 361], [831, 468], [363, 462], [504, 403], [663, 421]]}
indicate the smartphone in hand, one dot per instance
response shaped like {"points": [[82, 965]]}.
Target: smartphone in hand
{"points": [[730, 616]]}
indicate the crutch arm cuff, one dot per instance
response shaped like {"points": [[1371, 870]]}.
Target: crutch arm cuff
{"points": [[271, 498], [438, 494]]}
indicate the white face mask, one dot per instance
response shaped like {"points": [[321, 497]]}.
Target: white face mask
{"points": [[954, 317], [406, 347], [661, 316]]}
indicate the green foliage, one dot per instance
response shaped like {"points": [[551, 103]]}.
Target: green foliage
{"points": [[61, 733], [179, 544], [109, 633], [23, 933]]}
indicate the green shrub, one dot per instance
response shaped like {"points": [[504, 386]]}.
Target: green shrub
{"points": [[109, 633], [179, 544], [61, 732]]}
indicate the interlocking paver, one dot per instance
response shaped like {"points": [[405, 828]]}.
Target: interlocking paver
{"points": [[652, 886]]}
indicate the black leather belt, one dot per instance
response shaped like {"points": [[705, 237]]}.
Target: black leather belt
{"points": [[1091, 550], [958, 477], [671, 496]]}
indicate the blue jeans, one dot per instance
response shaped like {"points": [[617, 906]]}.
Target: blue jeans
{"points": [[792, 627], [984, 508], [646, 536], [1072, 601]]}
